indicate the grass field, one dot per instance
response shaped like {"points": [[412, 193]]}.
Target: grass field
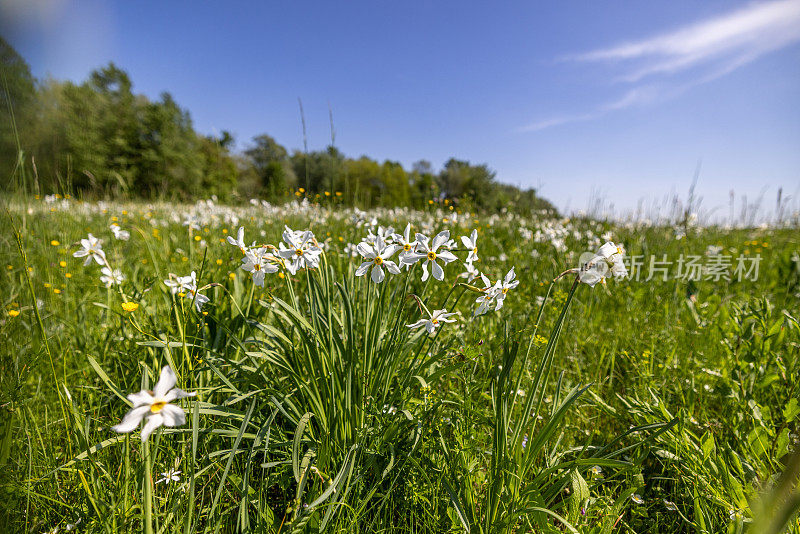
{"points": [[660, 405]]}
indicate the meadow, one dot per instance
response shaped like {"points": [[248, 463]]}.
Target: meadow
{"points": [[306, 375]]}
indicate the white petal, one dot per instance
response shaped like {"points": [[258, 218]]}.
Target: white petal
{"points": [[362, 269], [131, 419], [200, 300], [391, 267], [141, 398], [419, 323], [389, 251], [425, 269], [172, 415], [446, 256], [166, 382], [366, 250], [180, 394], [377, 274], [153, 422], [438, 272], [467, 243], [441, 238]]}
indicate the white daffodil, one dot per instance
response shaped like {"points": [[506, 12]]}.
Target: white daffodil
{"points": [[186, 286], [239, 241], [488, 297], [179, 284], [429, 253], [504, 286], [436, 319], [119, 233], [173, 475], [713, 250], [92, 249], [154, 406], [385, 234], [110, 278], [259, 262], [407, 246], [471, 243], [300, 250], [470, 273], [377, 256], [607, 261]]}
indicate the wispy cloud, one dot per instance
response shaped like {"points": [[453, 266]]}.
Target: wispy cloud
{"points": [[691, 55], [634, 97]]}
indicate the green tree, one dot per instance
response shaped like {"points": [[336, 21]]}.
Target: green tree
{"points": [[169, 151], [18, 90], [271, 164]]}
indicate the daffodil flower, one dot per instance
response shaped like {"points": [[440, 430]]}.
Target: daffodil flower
{"points": [[299, 249], [488, 296], [119, 233], [186, 286], [91, 249], [154, 407], [436, 319], [407, 246], [173, 475], [110, 278], [239, 241], [377, 257], [384, 234], [470, 273], [504, 286], [429, 253], [471, 243], [259, 262], [607, 261]]}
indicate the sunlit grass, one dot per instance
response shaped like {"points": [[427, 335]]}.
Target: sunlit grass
{"points": [[632, 406]]}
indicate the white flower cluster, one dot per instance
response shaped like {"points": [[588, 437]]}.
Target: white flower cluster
{"points": [[186, 286], [92, 249], [298, 250]]}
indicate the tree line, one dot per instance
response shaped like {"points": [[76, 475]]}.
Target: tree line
{"points": [[100, 139]]}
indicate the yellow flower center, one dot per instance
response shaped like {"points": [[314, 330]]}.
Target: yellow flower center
{"points": [[257, 267], [435, 321], [378, 260], [505, 290], [407, 247], [475, 250], [181, 294], [431, 255], [157, 406], [299, 252]]}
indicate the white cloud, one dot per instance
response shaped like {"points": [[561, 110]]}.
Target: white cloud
{"points": [[635, 97], [753, 30], [715, 47]]}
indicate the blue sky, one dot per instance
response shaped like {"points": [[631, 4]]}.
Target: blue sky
{"points": [[618, 100]]}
